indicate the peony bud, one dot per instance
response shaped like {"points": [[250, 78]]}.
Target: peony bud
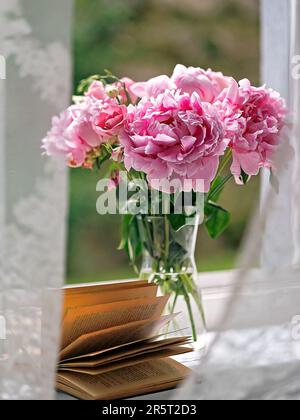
{"points": [[112, 91]]}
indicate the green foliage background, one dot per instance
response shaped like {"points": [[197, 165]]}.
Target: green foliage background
{"points": [[140, 39]]}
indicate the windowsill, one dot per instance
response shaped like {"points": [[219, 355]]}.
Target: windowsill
{"points": [[220, 290]]}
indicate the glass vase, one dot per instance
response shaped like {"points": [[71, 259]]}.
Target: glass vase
{"points": [[169, 261]]}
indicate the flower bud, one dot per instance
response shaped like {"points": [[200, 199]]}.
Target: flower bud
{"points": [[112, 91]]}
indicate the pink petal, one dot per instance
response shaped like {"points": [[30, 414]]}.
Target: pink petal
{"points": [[88, 135], [170, 155], [153, 87], [250, 162], [163, 139], [187, 143], [139, 89]]}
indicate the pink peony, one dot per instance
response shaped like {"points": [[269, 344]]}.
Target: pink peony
{"points": [[206, 83], [153, 87], [108, 119], [61, 142], [254, 119], [174, 136], [82, 128], [97, 91]]}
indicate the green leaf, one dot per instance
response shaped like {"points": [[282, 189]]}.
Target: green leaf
{"points": [[245, 178], [217, 219], [127, 220], [131, 241], [178, 221], [218, 187]]}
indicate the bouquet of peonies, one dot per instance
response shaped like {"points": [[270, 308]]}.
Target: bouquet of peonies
{"points": [[195, 125]]}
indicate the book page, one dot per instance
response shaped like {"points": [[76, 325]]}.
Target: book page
{"points": [[130, 361], [73, 391], [96, 295], [111, 286], [94, 356], [113, 337], [125, 382], [122, 352], [81, 321]]}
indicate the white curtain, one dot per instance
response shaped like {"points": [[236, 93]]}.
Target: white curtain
{"points": [[35, 41], [255, 352], [295, 101], [276, 39]]}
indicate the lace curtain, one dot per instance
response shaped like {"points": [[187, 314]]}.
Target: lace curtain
{"points": [[255, 352], [35, 43]]}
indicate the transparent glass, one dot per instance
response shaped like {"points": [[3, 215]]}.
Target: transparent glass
{"points": [[169, 261]]}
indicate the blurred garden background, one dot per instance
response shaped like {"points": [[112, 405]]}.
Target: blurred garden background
{"points": [[141, 39]]}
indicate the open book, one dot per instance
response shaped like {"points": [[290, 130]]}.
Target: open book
{"points": [[111, 347]]}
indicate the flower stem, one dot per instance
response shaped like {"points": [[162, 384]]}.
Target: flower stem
{"points": [[167, 240], [190, 310], [172, 310], [193, 290], [174, 304], [198, 302]]}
